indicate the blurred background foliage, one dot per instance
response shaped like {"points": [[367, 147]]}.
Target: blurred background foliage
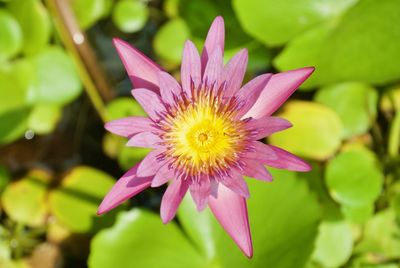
{"points": [[61, 79]]}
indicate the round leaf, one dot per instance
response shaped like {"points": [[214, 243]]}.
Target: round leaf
{"points": [[4, 178], [10, 35], [43, 118], [88, 12], [129, 156], [124, 107], [139, 239], [316, 131], [359, 214], [130, 16]]}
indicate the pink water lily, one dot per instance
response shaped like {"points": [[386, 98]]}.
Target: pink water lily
{"points": [[204, 131]]}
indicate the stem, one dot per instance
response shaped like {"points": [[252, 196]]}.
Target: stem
{"points": [[394, 136]]}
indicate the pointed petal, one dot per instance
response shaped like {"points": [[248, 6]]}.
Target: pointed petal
{"points": [[145, 140], [200, 192], [230, 209], [150, 101], [261, 152], [150, 164], [265, 126], [278, 90], [236, 183], [250, 92], [172, 198], [234, 72], [126, 187], [141, 70], [215, 39], [190, 68], [255, 170], [213, 71], [129, 126], [168, 87], [163, 175], [287, 161]]}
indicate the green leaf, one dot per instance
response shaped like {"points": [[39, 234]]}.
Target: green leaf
{"points": [[57, 80], [139, 239], [275, 23], [75, 202], [14, 123], [353, 178], [4, 178], [316, 131], [355, 103], [334, 244], [10, 35], [88, 12], [169, 40], [44, 118], [124, 107], [130, 15], [349, 51], [129, 156], [358, 214], [25, 200], [35, 24]]}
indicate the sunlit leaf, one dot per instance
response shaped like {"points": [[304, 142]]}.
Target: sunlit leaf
{"points": [[128, 156], [88, 12], [4, 178], [43, 118], [124, 107], [130, 15], [10, 35], [14, 123], [358, 214]]}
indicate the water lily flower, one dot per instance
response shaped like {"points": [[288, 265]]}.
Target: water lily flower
{"points": [[204, 131]]}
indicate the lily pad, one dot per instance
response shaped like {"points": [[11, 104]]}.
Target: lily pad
{"points": [[358, 214], [316, 131], [88, 12], [124, 107], [4, 178], [130, 15], [11, 35], [44, 118]]}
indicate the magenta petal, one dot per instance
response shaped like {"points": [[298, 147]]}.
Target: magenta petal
{"points": [[250, 92], [129, 126], [261, 152], [234, 72], [213, 72], [163, 175], [265, 126], [200, 192], [230, 209], [150, 164], [286, 160], [172, 198], [126, 187], [256, 170], [150, 101], [190, 68], [215, 39], [236, 183], [278, 90], [168, 87], [145, 140], [141, 70]]}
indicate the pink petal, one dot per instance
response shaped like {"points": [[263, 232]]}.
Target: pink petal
{"points": [[265, 126], [126, 187], [215, 39], [236, 183], [141, 70], [150, 101], [261, 152], [172, 198], [129, 126], [278, 90], [287, 161], [191, 67], [145, 140], [250, 92], [255, 170], [168, 87], [230, 209], [200, 192], [150, 164], [213, 72], [234, 72], [163, 175]]}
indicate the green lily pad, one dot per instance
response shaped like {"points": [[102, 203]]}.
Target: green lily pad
{"points": [[4, 178], [390, 100], [129, 156], [353, 178], [171, 8], [358, 214], [24, 201], [57, 80], [355, 103], [75, 202], [14, 123], [316, 131], [124, 107], [130, 15], [286, 19], [44, 118], [88, 12], [35, 23], [334, 244], [169, 40], [349, 51], [139, 239], [11, 35]]}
